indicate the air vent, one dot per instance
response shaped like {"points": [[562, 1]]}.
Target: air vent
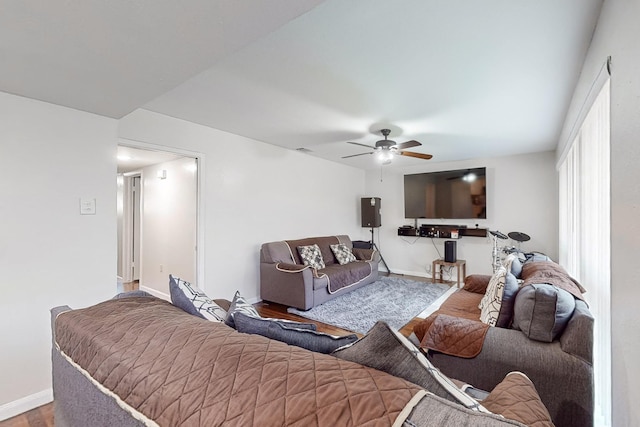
{"points": [[304, 150]]}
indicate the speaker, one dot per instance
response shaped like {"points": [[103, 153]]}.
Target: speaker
{"points": [[450, 251], [370, 210]]}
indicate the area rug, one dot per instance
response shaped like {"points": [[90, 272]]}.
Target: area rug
{"points": [[392, 299]]}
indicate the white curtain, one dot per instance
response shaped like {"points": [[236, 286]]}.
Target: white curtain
{"points": [[584, 179]]}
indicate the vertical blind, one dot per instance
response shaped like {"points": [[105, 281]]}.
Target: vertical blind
{"points": [[584, 180]]}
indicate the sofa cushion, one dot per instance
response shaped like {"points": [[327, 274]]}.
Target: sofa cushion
{"points": [[492, 300], [239, 305], [476, 283], [342, 253], [305, 338], [311, 256], [516, 398], [194, 301], [385, 349], [542, 311], [322, 242], [511, 288]]}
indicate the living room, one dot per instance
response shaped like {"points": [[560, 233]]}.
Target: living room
{"points": [[254, 192]]}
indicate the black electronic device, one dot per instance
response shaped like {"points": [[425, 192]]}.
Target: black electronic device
{"points": [[370, 211], [450, 249], [407, 230]]}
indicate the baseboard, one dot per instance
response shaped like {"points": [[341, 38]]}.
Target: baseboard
{"points": [[27, 403], [410, 273], [156, 293]]}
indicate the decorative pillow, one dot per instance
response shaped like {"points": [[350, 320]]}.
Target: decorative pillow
{"points": [[542, 311], [311, 256], [476, 283], [192, 300], [342, 253], [513, 265], [239, 305], [492, 299], [511, 288], [385, 349], [516, 398], [305, 338]]}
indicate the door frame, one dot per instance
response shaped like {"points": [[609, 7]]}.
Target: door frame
{"points": [[200, 205]]}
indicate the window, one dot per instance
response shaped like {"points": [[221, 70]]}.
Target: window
{"points": [[584, 179]]}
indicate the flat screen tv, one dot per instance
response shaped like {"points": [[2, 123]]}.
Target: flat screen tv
{"points": [[456, 194]]}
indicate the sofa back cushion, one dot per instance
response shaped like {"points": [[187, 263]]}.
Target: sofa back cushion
{"points": [[542, 311], [324, 243]]}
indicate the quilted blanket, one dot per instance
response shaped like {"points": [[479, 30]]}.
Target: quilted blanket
{"points": [[452, 335], [172, 369]]}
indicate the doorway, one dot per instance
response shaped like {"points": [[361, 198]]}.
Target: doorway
{"points": [[157, 219]]}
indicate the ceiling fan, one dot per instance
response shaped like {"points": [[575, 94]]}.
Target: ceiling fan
{"points": [[385, 149]]}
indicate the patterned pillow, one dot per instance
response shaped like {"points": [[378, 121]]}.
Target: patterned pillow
{"points": [[191, 299], [492, 299], [343, 253], [311, 256], [513, 265], [240, 305]]}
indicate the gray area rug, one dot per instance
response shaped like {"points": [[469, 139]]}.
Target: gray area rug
{"points": [[392, 299]]}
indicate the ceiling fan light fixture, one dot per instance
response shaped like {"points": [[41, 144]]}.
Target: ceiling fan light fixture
{"points": [[384, 156]]}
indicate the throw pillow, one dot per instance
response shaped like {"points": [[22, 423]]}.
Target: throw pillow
{"points": [[239, 305], [311, 256], [343, 253], [194, 301], [516, 398], [385, 349], [492, 299], [511, 288], [513, 265], [305, 338], [542, 311]]}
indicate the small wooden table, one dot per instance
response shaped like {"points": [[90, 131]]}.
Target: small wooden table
{"points": [[459, 264]]}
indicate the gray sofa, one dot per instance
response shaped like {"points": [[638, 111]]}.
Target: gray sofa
{"points": [[284, 278], [562, 369]]}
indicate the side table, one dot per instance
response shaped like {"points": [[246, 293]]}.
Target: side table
{"points": [[441, 263]]}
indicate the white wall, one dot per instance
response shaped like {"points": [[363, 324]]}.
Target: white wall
{"points": [[168, 240], [522, 195], [617, 35], [50, 255], [254, 193]]}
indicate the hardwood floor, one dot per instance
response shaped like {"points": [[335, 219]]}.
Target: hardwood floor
{"points": [[38, 417], [43, 416]]}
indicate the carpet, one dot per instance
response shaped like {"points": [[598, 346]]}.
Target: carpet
{"points": [[392, 299]]}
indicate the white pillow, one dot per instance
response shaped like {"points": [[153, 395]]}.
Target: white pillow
{"points": [[492, 299]]}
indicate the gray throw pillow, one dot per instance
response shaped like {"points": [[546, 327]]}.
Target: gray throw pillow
{"points": [[305, 338], [194, 301], [259, 325], [239, 305], [511, 288], [542, 311], [386, 350]]}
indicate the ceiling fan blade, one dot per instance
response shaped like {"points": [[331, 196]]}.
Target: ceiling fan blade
{"points": [[362, 145], [408, 144], [355, 155], [416, 155]]}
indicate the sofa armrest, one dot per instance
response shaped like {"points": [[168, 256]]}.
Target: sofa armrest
{"points": [[287, 284], [476, 283], [290, 268], [366, 254], [564, 382]]}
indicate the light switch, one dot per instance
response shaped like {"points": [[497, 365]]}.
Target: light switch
{"points": [[87, 206]]}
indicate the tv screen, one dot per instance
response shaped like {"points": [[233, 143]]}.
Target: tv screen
{"points": [[456, 194]]}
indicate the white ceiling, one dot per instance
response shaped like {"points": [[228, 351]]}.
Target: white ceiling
{"points": [[466, 78]]}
